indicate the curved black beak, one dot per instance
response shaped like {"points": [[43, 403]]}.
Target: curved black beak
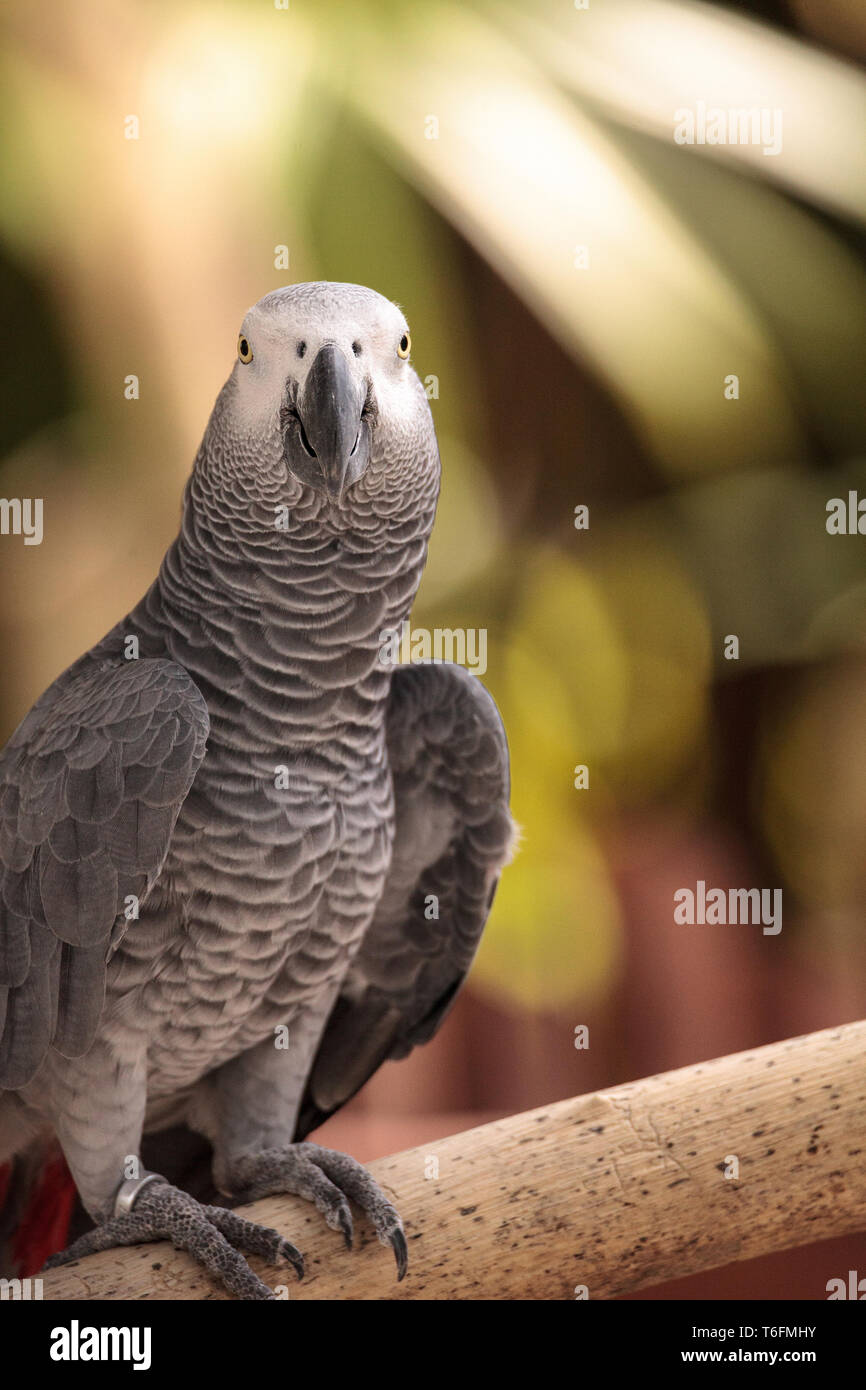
{"points": [[326, 435]]}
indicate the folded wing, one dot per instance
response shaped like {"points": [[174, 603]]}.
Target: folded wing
{"points": [[91, 784], [449, 761]]}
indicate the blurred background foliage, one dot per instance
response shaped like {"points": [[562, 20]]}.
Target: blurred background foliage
{"points": [[557, 386]]}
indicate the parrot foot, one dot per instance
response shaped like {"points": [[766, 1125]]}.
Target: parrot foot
{"points": [[326, 1178], [212, 1235]]}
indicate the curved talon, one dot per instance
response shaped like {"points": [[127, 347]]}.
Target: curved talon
{"points": [[292, 1255], [347, 1227], [401, 1253], [329, 1180]]}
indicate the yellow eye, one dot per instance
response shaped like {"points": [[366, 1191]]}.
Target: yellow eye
{"points": [[404, 345], [245, 352]]}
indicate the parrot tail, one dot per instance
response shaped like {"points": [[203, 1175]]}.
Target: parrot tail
{"points": [[37, 1197]]}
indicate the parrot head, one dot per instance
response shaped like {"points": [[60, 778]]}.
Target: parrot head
{"points": [[323, 388]]}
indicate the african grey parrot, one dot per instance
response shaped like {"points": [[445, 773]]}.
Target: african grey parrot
{"points": [[230, 817]]}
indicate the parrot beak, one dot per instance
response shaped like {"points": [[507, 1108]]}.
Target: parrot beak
{"points": [[326, 435]]}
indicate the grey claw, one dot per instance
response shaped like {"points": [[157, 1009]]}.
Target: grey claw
{"points": [[346, 1227], [292, 1255], [401, 1253]]}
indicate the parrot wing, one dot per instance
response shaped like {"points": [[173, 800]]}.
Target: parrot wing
{"points": [[91, 784], [453, 834]]}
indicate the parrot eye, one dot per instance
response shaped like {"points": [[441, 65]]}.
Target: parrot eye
{"points": [[245, 352], [404, 345]]}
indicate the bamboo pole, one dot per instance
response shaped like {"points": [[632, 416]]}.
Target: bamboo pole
{"points": [[610, 1192]]}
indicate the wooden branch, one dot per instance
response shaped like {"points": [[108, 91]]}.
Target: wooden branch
{"points": [[615, 1191]]}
